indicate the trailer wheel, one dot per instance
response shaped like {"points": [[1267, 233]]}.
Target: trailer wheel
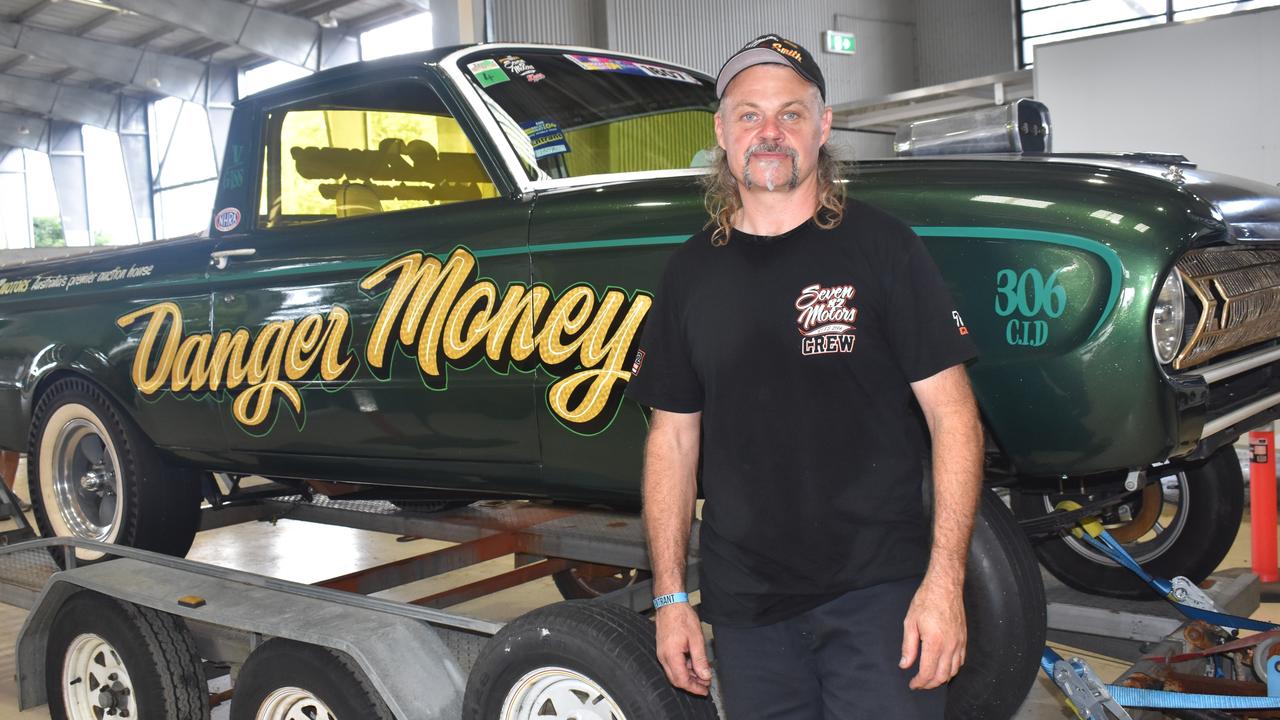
{"points": [[576, 659], [1183, 524], [288, 680], [110, 658], [578, 584], [94, 475], [1005, 608]]}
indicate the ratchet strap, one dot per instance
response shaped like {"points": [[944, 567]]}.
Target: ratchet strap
{"points": [[1093, 533], [1091, 699]]}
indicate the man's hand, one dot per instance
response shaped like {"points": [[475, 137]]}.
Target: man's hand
{"points": [[935, 630], [682, 649]]}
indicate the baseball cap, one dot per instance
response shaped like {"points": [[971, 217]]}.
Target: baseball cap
{"points": [[771, 49]]}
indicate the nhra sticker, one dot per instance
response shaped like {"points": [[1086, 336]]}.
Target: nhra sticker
{"points": [[487, 72], [226, 220], [630, 67], [546, 137]]}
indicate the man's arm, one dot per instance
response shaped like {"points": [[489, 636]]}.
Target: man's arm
{"points": [[935, 624], [670, 488]]}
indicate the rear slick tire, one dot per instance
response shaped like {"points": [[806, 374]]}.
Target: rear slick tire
{"points": [[1005, 609], [94, 475], [1196, 533]]}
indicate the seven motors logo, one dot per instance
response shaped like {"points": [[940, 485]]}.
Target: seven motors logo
{"points": [[826, 319]]}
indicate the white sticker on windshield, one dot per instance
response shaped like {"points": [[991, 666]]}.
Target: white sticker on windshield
{"points": [[667, 73]]}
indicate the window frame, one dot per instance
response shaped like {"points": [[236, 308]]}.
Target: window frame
{"points": [[310, 93], [1168, 16]]}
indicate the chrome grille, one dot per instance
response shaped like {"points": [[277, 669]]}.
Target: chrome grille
{"points": [[1239, 294]]}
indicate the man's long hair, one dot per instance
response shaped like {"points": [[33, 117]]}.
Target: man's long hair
{"points": [[724, 200]]}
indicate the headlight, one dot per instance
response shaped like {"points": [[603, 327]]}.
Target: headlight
{"points": [[1168, 318]]}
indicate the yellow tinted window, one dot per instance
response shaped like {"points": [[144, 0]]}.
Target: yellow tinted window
{"points": [[336, 164], [652, 142]]}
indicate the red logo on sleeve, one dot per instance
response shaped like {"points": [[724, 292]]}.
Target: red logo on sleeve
{"points": [[955, 315]]}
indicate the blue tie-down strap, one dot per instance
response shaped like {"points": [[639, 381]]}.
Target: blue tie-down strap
{"points": [[1093, 700], [1112, 548]]}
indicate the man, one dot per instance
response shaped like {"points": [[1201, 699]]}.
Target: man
{"points": [[784, 355]]}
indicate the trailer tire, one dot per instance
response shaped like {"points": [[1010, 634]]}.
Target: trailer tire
{"points": [[100, 647], [80, 436], [288, 679], [574, 649], [1197, 535], [1005, 611]]}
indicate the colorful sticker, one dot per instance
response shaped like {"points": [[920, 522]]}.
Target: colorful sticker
{"points": [[630, 67], [226, 220], [487, 72], [546, 137]]}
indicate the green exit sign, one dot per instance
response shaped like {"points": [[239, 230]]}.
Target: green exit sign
{"points": [[839, 42]]}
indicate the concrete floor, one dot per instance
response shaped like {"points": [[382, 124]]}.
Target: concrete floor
{"points": [[306, 552]]}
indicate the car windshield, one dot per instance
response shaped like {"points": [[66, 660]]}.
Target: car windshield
{"points": [[570, 114]]}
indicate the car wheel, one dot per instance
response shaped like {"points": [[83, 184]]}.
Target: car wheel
{"points": [[588, 583], [576, 659], [1005, 612], [1182, 524], [109, 658], [288, 680], [94, 475]]}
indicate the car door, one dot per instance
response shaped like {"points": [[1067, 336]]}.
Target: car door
{"points": [[351, 291]]}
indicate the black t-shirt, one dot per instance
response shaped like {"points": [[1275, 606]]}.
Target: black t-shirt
{"points": [[798, 349]]}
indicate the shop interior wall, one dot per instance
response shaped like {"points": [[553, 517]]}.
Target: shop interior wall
{"points": [[1204, 89], [890, 56]]}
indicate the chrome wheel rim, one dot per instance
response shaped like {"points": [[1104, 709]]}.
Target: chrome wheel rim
{"points": [[556, 693], [1175, 500], [86, 480], [95, 681], [293, 703]]}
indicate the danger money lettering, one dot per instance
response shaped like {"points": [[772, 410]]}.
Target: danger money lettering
{"points": [[435, 310]]}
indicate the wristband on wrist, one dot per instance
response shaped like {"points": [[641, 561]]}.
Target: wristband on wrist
{"points": [[670, 599]]}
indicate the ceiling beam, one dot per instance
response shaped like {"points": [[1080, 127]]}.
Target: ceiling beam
{"points": [[61, 102], [143, 69], [293, 39], [24, 131], [13, 62], [32, 11], [96, 23], [150, 36], [62, 74]]}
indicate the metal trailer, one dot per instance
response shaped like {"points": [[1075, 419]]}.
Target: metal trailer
{"points": [[413, 655]]}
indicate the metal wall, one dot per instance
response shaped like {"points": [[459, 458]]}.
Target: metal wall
{"points": [[702, 34], [956, 40], [563, 22]]}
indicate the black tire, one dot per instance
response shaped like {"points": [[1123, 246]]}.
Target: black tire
{"points": [[94, 636], [606, 647], [1005, 608], [322, 675], [576, 585], [1199, 534], [146, 503]]}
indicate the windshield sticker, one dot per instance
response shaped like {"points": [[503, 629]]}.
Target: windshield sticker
{"points": [[521, 67], [487, 72], [546, 137], [630, 67], [436, 310], [226, 220]]}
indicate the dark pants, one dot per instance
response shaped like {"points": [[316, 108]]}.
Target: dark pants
{"points": [[838, 661]]}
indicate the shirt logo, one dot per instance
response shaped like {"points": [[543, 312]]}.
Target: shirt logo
{"points": [[826, 319], [955, 315], [635, 365]]}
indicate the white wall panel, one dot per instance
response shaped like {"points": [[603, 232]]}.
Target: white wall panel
{"points": [[1204, 89]]}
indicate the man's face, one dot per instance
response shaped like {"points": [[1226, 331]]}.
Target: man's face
{"points": [[770, 124]]}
